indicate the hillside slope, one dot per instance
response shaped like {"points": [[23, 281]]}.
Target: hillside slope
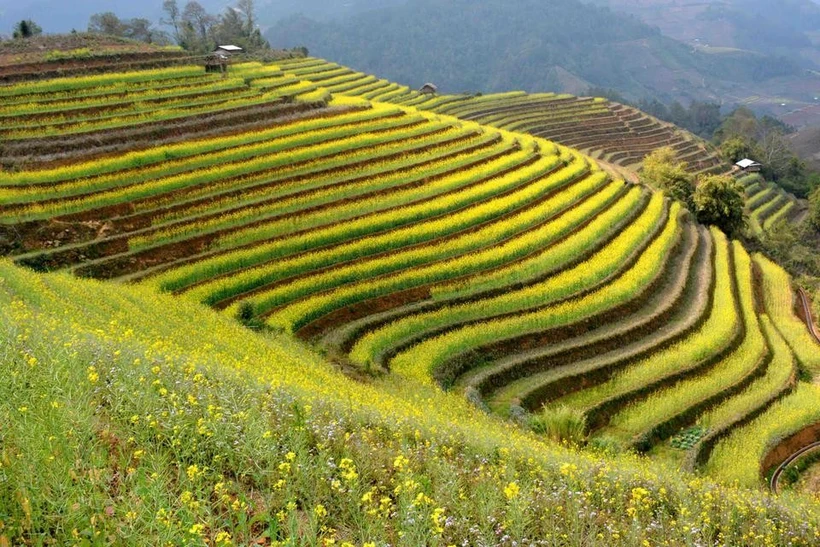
{"points": [[415, 249], [192, 430]]}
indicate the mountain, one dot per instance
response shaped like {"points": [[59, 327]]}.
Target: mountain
{"points": [[788, 27], [494, 45]]}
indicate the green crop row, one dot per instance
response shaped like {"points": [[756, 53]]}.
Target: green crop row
{"points": [[463, 256], [423, 263], [182, 277], [110, 90], [156, 186], [376, 161], [424, 357], [779, 301], [709, 339], [431, 189], [174, 155], [638, 418], [50, 124], [140, 118], [82, 82], [112, 101], [293, 200], [780, 372], [737, 458], [781, 214]]}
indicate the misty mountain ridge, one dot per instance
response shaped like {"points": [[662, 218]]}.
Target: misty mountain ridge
{"points": [[494, 45]]}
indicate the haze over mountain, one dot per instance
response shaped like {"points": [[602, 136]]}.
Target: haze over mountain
{"points": [[790, 27], [492, 45]]}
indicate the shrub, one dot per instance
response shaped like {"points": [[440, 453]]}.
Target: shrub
{"points": [[719, 201], [561, 424]]}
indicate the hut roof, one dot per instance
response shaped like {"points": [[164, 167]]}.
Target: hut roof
{"points": [[746, 163]]}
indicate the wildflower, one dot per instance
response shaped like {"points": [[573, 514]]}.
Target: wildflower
{"points": [[194, 471], [511, 491], [400, 462], [223, 538], [93, 376], [320, 511], [437, 517]]}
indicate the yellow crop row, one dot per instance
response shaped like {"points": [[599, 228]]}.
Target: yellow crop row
{"points": [[174, 154], [669, 402], [439, 185], [288, 205], [80, 82], [420, 361], [719, 328], [156, 115], [421, 263], [780, 301], [738, 457], [157, 186]]}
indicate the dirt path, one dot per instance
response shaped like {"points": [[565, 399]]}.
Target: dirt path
{"points": [[619, 172]]}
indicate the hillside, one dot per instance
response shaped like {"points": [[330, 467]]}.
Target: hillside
{"points": [[238, 438], [485, 287], [494, 46], [786, 28]]}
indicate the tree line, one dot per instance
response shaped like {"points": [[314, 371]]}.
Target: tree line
{"points": [[190, 26]]}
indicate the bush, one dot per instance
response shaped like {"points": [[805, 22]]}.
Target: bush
{"points": [[662, 170], [719, 201], [246, 314], [562, 424]]}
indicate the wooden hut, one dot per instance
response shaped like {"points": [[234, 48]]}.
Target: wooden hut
{"points": [[219, 59], [428, 89]]}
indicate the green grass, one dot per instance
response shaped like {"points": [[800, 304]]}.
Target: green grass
{"points": [[250, 437]]}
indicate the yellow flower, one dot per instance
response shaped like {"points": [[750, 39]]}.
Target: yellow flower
{"points": [[194, 471], [320, 511], [512, 490]]}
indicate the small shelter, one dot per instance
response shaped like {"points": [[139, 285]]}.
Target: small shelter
{"points": [[228, 49], [748, 166], [428, 89], [219, 59]]}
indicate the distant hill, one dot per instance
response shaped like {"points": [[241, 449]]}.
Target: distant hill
{"points": [[790, 27], [494, 45]]}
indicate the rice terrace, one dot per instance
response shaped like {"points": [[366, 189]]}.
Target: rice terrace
{"points": [[296, 304]]}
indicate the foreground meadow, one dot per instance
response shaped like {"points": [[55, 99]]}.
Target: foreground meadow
{"points": [[132, 415]]}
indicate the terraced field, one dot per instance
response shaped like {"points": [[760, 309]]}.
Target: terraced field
{"points": [[768, 204], [602, 129], [399, 235]]}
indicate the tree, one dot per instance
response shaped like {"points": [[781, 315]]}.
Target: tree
{"points": [[106, 23], [26, 28], [719, 201], [196, 16], [172, 9], [136, 29], [704, 118], [736, 149], [247, 8], [814, 208], [663, 170]]}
